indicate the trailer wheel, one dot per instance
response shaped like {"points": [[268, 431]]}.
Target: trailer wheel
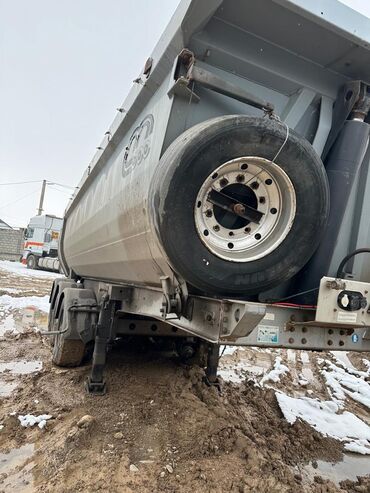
{"points": [[192, 353], [240, 204], [66, 352], [32, 262]]}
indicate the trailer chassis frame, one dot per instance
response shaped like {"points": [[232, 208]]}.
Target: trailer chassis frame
{"points": [[232, 322], [144, 311]]}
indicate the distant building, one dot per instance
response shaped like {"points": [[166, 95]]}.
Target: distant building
{"points": [[11, 242], [4, 225]]}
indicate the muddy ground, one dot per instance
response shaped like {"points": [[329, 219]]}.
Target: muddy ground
{"points": [[159, 428]]}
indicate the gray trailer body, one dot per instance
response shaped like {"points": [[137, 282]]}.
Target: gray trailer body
{"points": [[305, 62], [296, 56]]}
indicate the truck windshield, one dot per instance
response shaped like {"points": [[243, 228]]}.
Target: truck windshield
{"points": [[28, 233]]}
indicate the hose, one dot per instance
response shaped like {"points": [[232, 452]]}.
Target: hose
{"points": [[340, 272], [292, 296]]}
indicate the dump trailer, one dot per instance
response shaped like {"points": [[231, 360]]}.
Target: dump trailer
{"points": [[228, 203]]}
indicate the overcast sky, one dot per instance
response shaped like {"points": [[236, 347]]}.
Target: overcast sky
{"points": [[64, 69], [65, 66]]}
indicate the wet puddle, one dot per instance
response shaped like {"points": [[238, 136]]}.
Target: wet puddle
{"points": [[21, 367], [305, 358], [259, 363], [351, 467], [18, 469], [291, 355], [7, 324], [11, 368], [23, 321], [301, 366], [7, 388], [307, 372], [237, 364]]}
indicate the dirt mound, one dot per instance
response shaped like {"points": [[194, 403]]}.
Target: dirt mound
{"points": [[159, 428], [161, 417]]}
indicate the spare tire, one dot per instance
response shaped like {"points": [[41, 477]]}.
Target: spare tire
{"points": [[239, 204]]}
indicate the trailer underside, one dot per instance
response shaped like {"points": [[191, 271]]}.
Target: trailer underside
{"points": [[97, 312]]}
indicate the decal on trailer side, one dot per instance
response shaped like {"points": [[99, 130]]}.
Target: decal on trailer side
{"points": [[139, 145], [268, 334]]}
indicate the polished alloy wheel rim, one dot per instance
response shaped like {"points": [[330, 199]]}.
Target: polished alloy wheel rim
{"points": [[245, 209]]}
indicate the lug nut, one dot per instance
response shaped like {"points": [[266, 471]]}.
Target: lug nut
{"points": [[216, 228], [208, 213], [240, 178], [255, 185], [223, 182]]}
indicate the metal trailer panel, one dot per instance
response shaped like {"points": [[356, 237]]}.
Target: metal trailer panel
{"points": [[230, 322], [297, 57]]}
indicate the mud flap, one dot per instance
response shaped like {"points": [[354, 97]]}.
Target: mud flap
{"points": [[80, 314], [55, 299]]}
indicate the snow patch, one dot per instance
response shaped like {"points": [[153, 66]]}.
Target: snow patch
{"points": [[305, 357], [226, 350], [9, 303], [358, 447], [346, 382], [29, 420], [291, 355], [21, 270], [342, 359], [11, 290], [303, 382], [324, 417], [275, 374]]}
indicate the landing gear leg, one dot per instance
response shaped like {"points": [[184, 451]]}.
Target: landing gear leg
{"points": [[212, 365], [96, 383]]}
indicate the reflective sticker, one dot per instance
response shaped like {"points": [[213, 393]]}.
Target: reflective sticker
{"points": [[347, 317], [354, 338], [268, 334], [269, 316]]}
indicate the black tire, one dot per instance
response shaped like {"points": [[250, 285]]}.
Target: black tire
{"points": [[32, 262], [191, 158], [66, 352]]}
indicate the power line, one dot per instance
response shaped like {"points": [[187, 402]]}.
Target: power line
{"points": [[18, 218], [59, 184], [61, 191], [37, 181], [20, 198], [21, 182]]}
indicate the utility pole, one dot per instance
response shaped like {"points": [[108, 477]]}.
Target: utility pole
{"points": [[41, 203]]}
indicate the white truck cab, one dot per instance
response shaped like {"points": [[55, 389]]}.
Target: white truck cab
{"points": [[41, 240]]}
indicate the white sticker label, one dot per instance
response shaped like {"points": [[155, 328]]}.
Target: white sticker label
{"points": [[268, 334], [269, 316], [350, 317]]}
